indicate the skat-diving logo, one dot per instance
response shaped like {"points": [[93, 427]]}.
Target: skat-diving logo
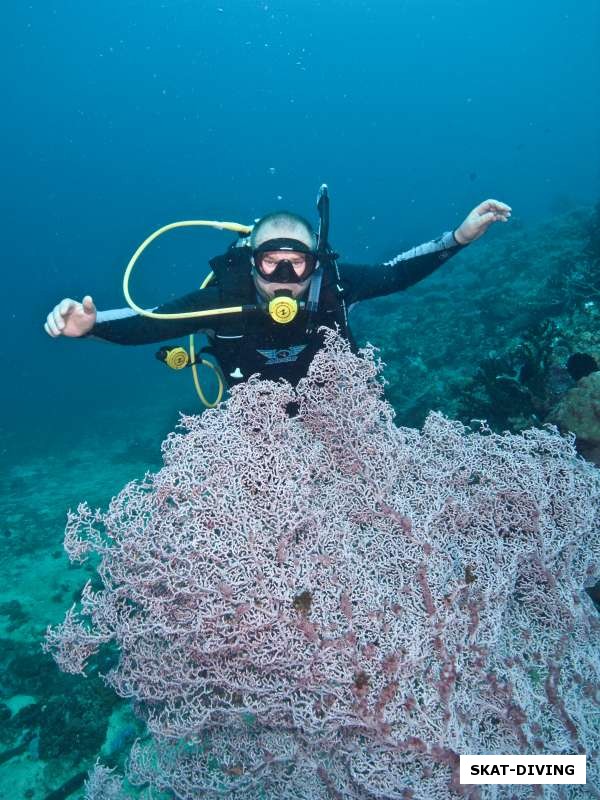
{"points": [[282, 356]]}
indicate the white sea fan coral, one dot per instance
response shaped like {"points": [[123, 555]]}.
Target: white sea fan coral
{"points": [[328, 605]]}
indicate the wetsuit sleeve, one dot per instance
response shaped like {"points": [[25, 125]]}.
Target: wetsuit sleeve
{"points": [[124, 326], [365, 281]]}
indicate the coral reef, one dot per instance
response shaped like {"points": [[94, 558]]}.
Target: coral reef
{"points": [[530, 289], [518, 388], [490, 335], [579, 412], [327, 605]]}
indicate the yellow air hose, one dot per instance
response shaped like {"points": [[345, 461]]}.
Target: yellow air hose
{"points": [[236, 227]]}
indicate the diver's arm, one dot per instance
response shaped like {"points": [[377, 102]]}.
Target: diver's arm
{"points": [[124, 326], [363, 282], [413, 265]]}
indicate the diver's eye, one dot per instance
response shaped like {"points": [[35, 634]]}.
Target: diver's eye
{"points": [[268, 265]]}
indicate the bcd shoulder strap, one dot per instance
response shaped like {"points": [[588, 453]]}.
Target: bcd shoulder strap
{"points": [[233, 276]]}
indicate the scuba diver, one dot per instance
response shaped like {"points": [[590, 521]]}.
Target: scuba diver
{"points": [[265, 299]]}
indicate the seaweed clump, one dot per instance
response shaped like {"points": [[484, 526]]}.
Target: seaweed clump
{"points": [[517, 388]]}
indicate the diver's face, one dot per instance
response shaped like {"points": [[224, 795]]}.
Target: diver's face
{"points": [[270, 260]]}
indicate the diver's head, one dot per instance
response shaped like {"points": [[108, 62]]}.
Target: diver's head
{"points": [[283, 254]]}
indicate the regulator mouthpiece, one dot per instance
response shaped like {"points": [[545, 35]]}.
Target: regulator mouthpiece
{"points": [[283, 309]]}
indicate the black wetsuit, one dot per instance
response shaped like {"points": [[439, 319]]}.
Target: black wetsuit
{"points": [[244, 344]]}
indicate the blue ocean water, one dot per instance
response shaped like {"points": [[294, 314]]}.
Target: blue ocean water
{"points": [[119, 117], [122, 116]]}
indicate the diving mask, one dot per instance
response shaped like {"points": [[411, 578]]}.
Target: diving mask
{"points": [[284, 261]]}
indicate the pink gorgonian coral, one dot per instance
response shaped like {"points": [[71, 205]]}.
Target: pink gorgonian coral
{"points": [[327, 605]]}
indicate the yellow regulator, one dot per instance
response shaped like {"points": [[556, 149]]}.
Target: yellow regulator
{"points": [[283, 309], [177, 358]]}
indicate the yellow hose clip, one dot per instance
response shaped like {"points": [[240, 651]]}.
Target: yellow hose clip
{"points": [[283, 309]]}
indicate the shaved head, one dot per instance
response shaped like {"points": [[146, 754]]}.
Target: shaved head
{"points": [[283, 225]]}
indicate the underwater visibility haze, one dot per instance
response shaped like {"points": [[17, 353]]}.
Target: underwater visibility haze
{"points": [[312, 590]]}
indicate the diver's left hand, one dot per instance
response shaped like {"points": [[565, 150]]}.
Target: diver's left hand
{"points": [[480, 219]]}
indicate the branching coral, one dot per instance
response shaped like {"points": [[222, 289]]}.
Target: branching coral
{"points": [[331, 606]]}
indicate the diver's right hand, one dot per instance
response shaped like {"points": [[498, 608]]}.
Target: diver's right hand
{"points": [[70, 318]]}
